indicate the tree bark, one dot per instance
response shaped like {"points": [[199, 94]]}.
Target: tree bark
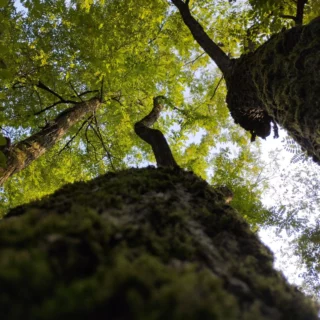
{"points": [[279, 82], [139, 244], [21, 154]]}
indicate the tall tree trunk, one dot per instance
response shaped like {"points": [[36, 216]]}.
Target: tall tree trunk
{"points": [[21, 154], [279, 82], [139, 244]]}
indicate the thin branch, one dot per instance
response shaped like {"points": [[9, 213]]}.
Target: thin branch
{"points": [[216, 88], [195, 59], [61, 99], [99, 135], [285, 16], [75, 135], [101, 90], [44, 87], [86, 92], [50, 107], [74, 90]]}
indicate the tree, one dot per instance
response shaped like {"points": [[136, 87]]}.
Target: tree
{"points": [[278, 82], [126, 62]]}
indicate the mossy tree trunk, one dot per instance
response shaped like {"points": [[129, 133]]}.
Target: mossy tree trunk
{"points": [[139, 244], [278, 83]]}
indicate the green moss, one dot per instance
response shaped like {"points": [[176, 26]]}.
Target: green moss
{"points": [[280, 81], [140, 244]]}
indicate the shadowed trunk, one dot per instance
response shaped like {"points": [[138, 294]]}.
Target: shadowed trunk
{"points": [[21, 154], [278, 83], [139, 244]]}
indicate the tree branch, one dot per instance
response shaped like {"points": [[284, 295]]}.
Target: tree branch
{"points": [[44, 87], [75, 135], [300, 9], [209, 46], [285, 16], [155, 137], [61, 99], [216, 88], [99, 136]]}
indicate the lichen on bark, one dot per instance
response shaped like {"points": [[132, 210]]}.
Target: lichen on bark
{"points": [[140, 244]]}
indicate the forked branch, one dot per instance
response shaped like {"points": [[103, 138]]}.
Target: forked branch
{"points": [[155, 137]]}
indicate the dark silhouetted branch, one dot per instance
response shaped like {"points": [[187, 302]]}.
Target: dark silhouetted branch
{"points": [[155, 137], [209, 46]]}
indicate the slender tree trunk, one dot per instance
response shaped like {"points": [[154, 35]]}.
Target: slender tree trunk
{"points": [[140, 244], [21, 154], [154, 137]]}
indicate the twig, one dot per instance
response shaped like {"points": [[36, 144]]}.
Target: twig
{"points": [[85, 92], [74, 90], [61, 99], [44, 87], [195, 59], [49, 107], [216, 88], [75, 135], [285, 16], [98, 134]]}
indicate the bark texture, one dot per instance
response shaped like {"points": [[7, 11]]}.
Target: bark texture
{"points": [[280, 81], [139, 244], [24, 152]]}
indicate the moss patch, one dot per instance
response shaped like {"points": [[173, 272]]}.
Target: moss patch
{"points": [[140, 244]]}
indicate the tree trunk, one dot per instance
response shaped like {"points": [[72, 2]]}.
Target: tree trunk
{"points": [[24, 152], [139, 244], [280, 81]]}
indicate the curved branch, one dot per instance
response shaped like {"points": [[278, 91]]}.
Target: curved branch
{"points": [[209, 46], [155, 137]]}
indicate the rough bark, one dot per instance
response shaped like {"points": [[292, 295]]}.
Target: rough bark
{"points": [[139, 244], [279, 82], [21, 154], [154, 137]]}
